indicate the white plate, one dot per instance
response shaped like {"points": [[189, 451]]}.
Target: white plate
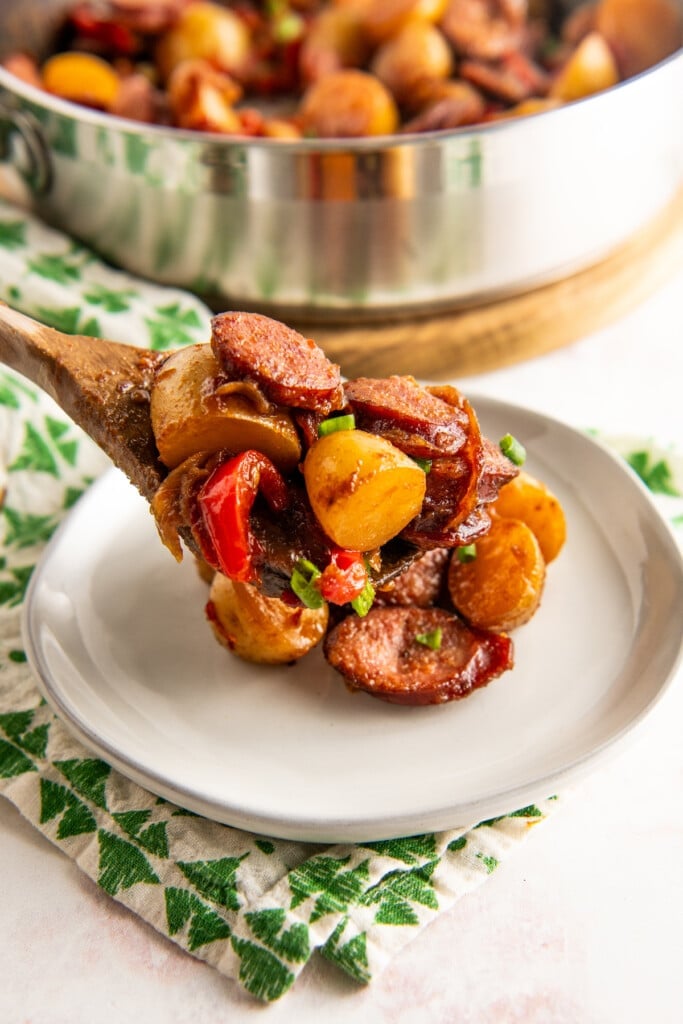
{"points": [[115, 631]]}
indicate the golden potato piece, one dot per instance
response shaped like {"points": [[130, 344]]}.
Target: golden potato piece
{"points": [[530, 500], [262, 629], [82, 78], [334, 40], [418, 53], [590, 69], [384, 18], [188, 417], [205, 31], [362, 489], [501, 588], [348, 104]]}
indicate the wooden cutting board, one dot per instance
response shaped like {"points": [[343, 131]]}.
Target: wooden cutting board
{"points": [[486, 337]]}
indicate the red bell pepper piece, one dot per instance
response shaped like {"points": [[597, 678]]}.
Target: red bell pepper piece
{"points": [[108, 33], [225, 501], [344, 577]]}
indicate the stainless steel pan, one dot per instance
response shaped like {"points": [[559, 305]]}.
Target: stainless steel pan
{"points": [[344, 229]]}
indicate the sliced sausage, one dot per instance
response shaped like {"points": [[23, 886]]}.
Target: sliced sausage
{"points": [[485, 29], [512, 80], [381, 655], [496, 470], [418, 422], [290, 369], [150, 17], [450, 498], [421, 583]]}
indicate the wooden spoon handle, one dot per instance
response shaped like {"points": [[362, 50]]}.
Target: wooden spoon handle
{"points": [[103, 386]]}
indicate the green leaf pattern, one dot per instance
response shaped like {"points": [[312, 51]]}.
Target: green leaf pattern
{"points": [[255, 908], [63, 284]]}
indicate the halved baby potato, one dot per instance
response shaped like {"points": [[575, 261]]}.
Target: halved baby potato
{"points": [[501, 587], [362, 489], [531, 501], [189, 417], [262, 629], [590, 69]]}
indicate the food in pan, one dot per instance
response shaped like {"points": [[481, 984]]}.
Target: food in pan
{"points": [[345, 68], [369, 516]]}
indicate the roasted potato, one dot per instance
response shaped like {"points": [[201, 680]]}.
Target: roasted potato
{"points": [[82, 78], [334, 40], [501, 587], [384, 18], [188, 416], [530, 500], [262, 629], [418, 53], [205, 31], [362, 489], [590, 69], [348, 104]]}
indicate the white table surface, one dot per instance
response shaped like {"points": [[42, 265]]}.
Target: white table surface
{"points": [[584, 924]]}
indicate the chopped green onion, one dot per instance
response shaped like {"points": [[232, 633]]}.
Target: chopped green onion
{"points": [[424, 464], [512, 448], [287, 27], [337, 423], [363, 603], [303, 583], [431, 639], [466, 553]]}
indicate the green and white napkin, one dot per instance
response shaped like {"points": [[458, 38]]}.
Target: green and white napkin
{"points": [[254, 907]]}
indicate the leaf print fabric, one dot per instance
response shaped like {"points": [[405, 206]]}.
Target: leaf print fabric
{"points": [[254, 907], [61, 283]]}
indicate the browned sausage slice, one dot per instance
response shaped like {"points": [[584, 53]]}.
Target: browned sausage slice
{"points": [[289, 368], [419, 423], [381, 655], [420, 584], [496, 471]]}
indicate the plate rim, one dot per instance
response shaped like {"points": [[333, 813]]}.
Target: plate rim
{"points": [[365, 826]]}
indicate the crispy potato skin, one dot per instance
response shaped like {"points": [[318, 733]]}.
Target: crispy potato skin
{"points": [[590, 69], [349, 104], [262, 629], [187, 417], [531, 501], [362, 489], [501, 588]]}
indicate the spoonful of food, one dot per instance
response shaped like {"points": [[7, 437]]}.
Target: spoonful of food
{"points": [[294, 490]]}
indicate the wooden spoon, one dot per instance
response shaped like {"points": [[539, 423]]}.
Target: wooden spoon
{"points": [[103, 386]]}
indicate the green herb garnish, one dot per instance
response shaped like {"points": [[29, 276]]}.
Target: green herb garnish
{"points": [[363, 603], [512, 448], [287, 27], [424, 464], [303, 583], [431, 639], [467, 553], [337, 423]]}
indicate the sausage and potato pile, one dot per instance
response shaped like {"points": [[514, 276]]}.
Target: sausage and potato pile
{"points": [[346, 68], [369, 516]]}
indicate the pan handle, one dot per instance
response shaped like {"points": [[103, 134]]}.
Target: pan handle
{"points": [[23, 147]]}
